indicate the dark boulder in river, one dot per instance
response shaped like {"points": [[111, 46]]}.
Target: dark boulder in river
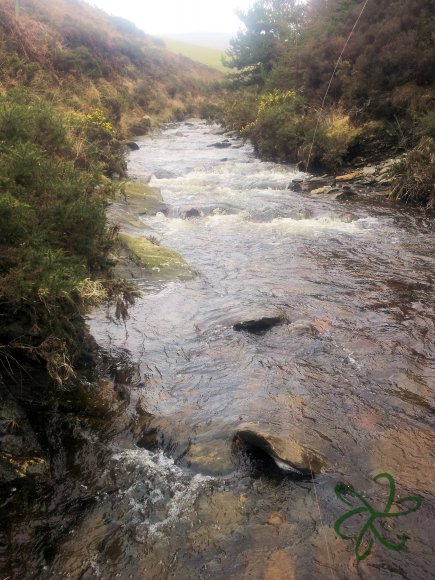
{"points": [[132, 146], [289, 456], [260, 325], [221, 144], [191, 213]]}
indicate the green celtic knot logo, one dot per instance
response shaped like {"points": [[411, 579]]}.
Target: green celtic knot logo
{"points": [[370, 526]]}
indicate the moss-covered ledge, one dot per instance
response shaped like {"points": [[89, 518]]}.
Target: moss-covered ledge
{"points": [[138, 256], [142, 257]]}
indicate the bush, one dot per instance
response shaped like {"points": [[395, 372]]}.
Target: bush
{"points": [[330, 145], [78, 60], [96, 144], [275, 131], [284, 129], [54, 239], [240, 111]]}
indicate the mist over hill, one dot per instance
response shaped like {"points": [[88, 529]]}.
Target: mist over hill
{"points": [[218, 40], [72, 52]]}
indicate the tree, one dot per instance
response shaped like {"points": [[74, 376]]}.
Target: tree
{"points": [[270, 26]]}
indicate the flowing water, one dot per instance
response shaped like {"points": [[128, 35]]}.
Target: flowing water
{"points": [[350, 374]]}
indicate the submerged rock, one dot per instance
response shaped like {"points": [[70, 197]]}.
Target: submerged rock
{"points": [[289, 455], [221, 144], [296, 185], [302, 329], [260, 325], [345, 193], [191, 213]]}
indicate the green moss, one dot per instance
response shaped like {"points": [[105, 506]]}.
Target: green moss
{"points": [[154, 258], [143, 199]]}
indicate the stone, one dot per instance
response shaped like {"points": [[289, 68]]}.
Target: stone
{"points": [[275, 519], [302, 328], [132, 146], [348, 176], [319, 190], [288, 455], [210, 457], [260, 325], [369, 170], [221, 144], [192, 212], [296, 185]]}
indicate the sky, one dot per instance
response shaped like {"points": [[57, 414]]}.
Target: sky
{"points": [[177, 16]]}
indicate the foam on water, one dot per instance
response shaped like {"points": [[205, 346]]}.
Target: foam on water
{"points": [[159, 490]]}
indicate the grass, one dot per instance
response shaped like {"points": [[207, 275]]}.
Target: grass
{"points": [[211, 57]]}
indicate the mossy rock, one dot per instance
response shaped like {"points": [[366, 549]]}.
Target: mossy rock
{"points": [[150, 259], [143, 199]]}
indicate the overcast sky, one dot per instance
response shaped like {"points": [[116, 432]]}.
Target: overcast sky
{"points": [[172, 16]]}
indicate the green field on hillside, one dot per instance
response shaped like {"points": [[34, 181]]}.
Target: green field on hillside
{"points": [[212, 57]]}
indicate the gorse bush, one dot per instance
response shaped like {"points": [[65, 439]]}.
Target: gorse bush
{"points": [[54, 238], [96, 144], [240, 111], [275, 130]]}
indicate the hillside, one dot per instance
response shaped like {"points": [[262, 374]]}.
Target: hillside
{"points": [[204, 54], [76, 54]]}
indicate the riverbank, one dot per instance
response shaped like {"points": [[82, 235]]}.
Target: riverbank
{"points": [[372, 180]]}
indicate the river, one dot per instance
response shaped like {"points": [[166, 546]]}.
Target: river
{"points": [[350, 374]]}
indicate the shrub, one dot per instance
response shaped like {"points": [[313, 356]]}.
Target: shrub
{"points": [[286, 130], [78, 60], [54, 239], [96, 143], [414, 176], [240, 111], [275, 130], [332, 141]]}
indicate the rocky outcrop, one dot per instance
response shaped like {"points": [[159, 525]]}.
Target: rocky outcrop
{"points": [[288, 455], [371, 179]]}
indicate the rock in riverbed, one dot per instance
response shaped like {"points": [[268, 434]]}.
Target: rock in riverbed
{"points": [[290, 456], [260, 325], [221, 145], [132, 145]]}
